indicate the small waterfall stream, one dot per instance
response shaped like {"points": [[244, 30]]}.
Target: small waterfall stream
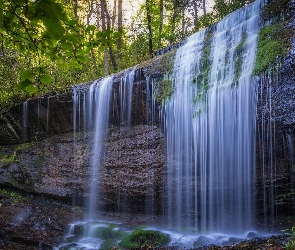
{"points": [[100, 98]]}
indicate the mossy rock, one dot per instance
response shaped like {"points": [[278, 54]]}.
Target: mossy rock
{"points": [[110, 232], [108, 244], [274, 43], [79, 230], [145, 238], [276, 10]]}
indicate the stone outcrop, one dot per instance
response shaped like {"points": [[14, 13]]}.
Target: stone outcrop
{"points": [[134, 168], [133, 165]]}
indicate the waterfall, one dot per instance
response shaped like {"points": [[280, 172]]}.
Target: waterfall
{"points": [[210, 127], [99, 97], [126, 86], [25, 121], [95, 104]]}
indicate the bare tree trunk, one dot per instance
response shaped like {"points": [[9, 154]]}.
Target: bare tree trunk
{"points": [[183, 32], [161, 23], [90, 11], [120, 29], [149, 20], [107, 26], [89, 14], [106, 62], [114, 14], [174, 15], [196, 17], [76, 9], [104, 28], [204, 7]]}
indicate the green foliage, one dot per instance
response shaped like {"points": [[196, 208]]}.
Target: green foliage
{"points": [[9, 159], [43, 49], [145, 238], [11, 193], [224, 7], [291, 244], [273, 43]]}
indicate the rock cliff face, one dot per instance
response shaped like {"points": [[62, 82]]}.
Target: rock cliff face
{"points": [[275, 143], [60, 167]]}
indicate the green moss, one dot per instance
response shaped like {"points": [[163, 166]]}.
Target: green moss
{"points": [[276, 10], [10, 193], [24, 146], [291, 244], [285, 198], [160, 65], [110, 232], [79, 230], [9, 159], [108, 244], [202, 79], [145, 238], [273, 43], [238, 60], [164, 89]]}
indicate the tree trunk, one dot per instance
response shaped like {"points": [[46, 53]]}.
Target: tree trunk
{"points": [[204, 7], [90, 11], [107, 26], [120, 29], [114, 14], [149, 23], [174, 15], [196, 17], [104, 28], [76, 9], [161, 23], [183, 32]]}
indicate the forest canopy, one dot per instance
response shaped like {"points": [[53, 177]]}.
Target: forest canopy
{"points": [[49, 45]]}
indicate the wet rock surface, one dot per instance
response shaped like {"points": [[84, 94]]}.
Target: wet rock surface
{"points": [[273, 243], [50, 167], [133, 166], [33, 222]]}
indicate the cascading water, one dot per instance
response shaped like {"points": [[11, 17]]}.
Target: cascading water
{"points": [[25, 121], [150, 102], [210, 127], [126, 86], [100, 98], [96, 109]]}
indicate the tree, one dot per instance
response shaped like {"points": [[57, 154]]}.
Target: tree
{"points": [[149, 25], [42, 33]]}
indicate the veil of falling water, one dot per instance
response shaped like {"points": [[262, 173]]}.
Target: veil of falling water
{"points": [[210, 127], [99, 99]]}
